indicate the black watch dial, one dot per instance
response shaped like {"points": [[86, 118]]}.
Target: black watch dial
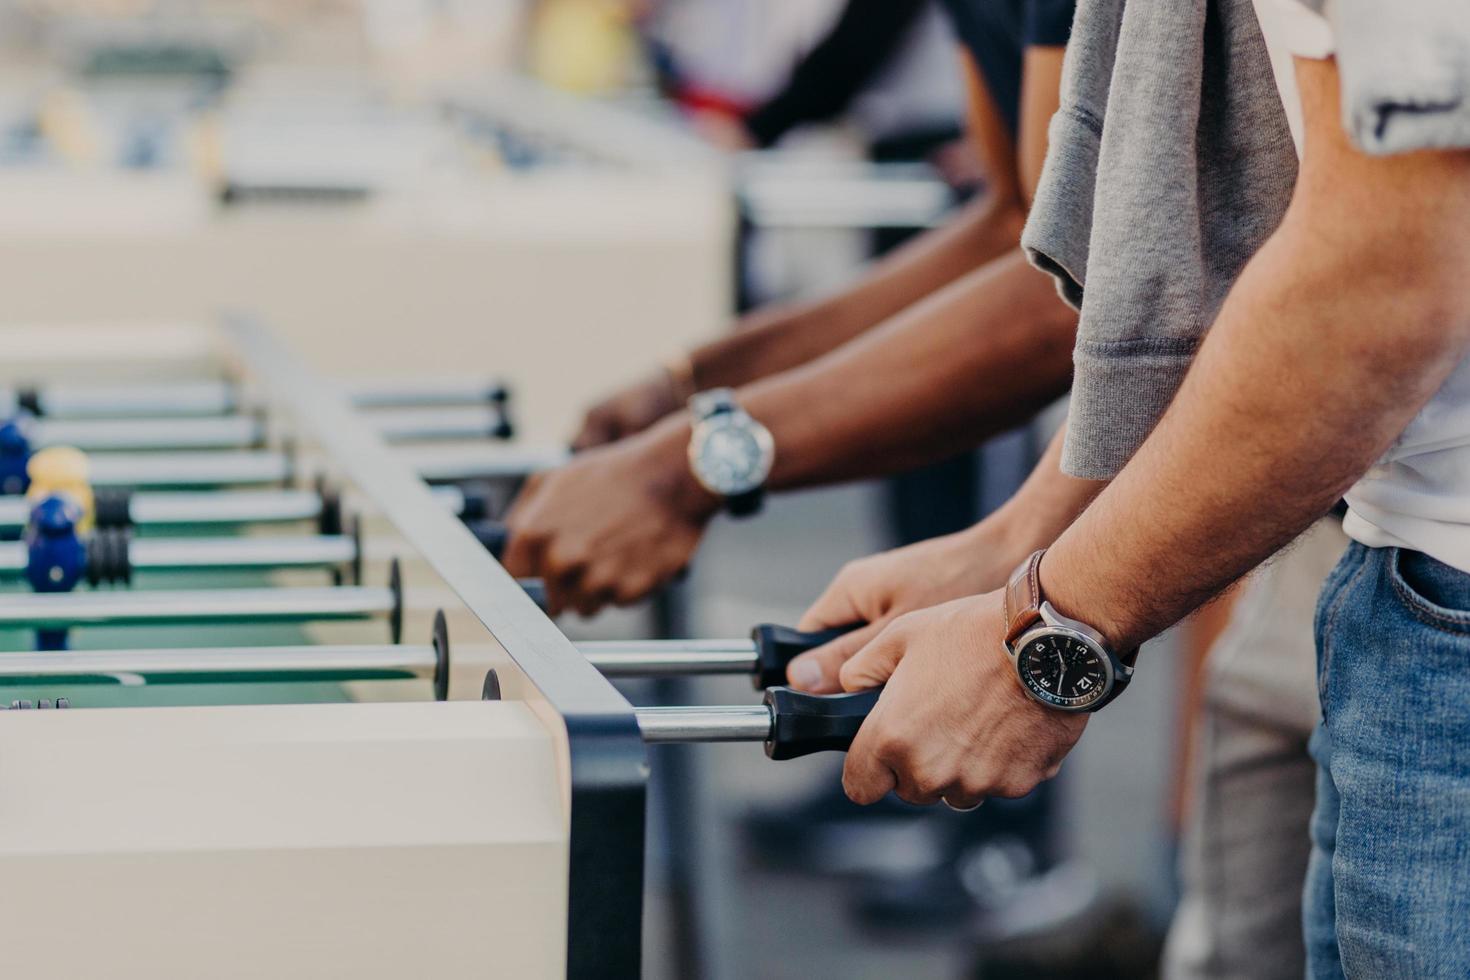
{"points": [[1063, 670]]}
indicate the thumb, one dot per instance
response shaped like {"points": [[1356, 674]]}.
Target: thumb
{"points": [[595, 431], [837, 606], [816, 671], [874, 664], [520, 554]]}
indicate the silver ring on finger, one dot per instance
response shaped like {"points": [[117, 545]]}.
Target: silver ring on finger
{"points": [[962, 809]]}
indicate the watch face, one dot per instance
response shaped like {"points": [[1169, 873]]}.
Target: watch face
{"points": [[1063, 669], [730, 456]]}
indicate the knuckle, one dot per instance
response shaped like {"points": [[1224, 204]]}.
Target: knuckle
{"points": [[594, 586], [1015, 786], [566, 556], [891, 747], [629, 591], [928, 782]]}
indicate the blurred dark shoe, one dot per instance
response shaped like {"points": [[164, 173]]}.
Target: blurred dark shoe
{"points": [[829, 834], [950, 894], [1079, 935]]}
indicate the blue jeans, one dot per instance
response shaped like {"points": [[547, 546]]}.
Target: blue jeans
{"points": [[1388, 884]]}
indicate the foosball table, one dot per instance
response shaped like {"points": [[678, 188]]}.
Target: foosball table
{"points": [[271, 707]]}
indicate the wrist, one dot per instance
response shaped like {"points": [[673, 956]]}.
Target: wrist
{"points": [[668, 465], [1011, 534], [1079, 590], [680, 379]]}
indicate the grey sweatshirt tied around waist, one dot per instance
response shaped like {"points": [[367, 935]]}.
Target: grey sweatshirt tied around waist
{"points": [[1170, 162]]}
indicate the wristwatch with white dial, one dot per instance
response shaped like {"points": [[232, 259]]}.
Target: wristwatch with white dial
{"points": [[1060, 662], [730, 452]]}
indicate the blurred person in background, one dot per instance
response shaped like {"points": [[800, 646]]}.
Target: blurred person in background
{"points": [[912, 364], [883, 68]]}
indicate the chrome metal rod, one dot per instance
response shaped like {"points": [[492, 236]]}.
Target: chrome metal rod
{"points": [[196, 469], [182, 554], [170, 398], [194, 508], [670, 658], [67, 609], [165, 666], [431, 424], [192, 398], [217, 432], [224, 507], [210, 469], [421, 393], [480, 462], [249, 431], [717, 724]]}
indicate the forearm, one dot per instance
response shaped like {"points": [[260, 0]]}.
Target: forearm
{"points": [[787, 335], [1321, 355], [981, 356], [1037, 514]]}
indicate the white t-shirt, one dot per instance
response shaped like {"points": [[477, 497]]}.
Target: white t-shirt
{"points": [[1417, 495]]}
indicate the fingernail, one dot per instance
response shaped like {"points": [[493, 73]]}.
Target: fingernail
{"points": [[805, 674]]}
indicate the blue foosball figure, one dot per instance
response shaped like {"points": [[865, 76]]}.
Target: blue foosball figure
{"points": [[56, 555]]}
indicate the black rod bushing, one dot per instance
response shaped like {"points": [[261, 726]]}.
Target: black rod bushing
{"points": [[441, 656], [329, 519], [395, 617], [492, 535], [112, 507]]}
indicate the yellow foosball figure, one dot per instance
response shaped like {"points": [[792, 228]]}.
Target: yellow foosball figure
{"points": [[63, 469]]}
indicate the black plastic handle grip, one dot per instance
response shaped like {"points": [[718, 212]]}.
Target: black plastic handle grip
{"points": [[492, 535], [476, 505], [536, 589], [804, 723], [777, 646]]}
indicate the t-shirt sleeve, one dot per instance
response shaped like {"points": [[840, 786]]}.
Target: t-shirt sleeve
{"points": [[1403, 67], [862, 41], [1048, 23], [1298, 28]]}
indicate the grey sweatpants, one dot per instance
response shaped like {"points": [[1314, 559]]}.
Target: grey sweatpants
{"points": [[1245, 848]]}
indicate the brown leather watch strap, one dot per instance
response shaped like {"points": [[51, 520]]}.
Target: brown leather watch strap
{"points": [[1023, 597]]}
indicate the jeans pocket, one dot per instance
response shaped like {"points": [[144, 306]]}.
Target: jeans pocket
{"points": [[1329, 602], [1433, 592]]}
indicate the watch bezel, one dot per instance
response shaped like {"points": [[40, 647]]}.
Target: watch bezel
{"points": [[737, 419], [1044, 629]]}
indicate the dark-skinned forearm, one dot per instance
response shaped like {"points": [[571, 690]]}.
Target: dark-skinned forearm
{"points": [[786, 335], [979, 357]]}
